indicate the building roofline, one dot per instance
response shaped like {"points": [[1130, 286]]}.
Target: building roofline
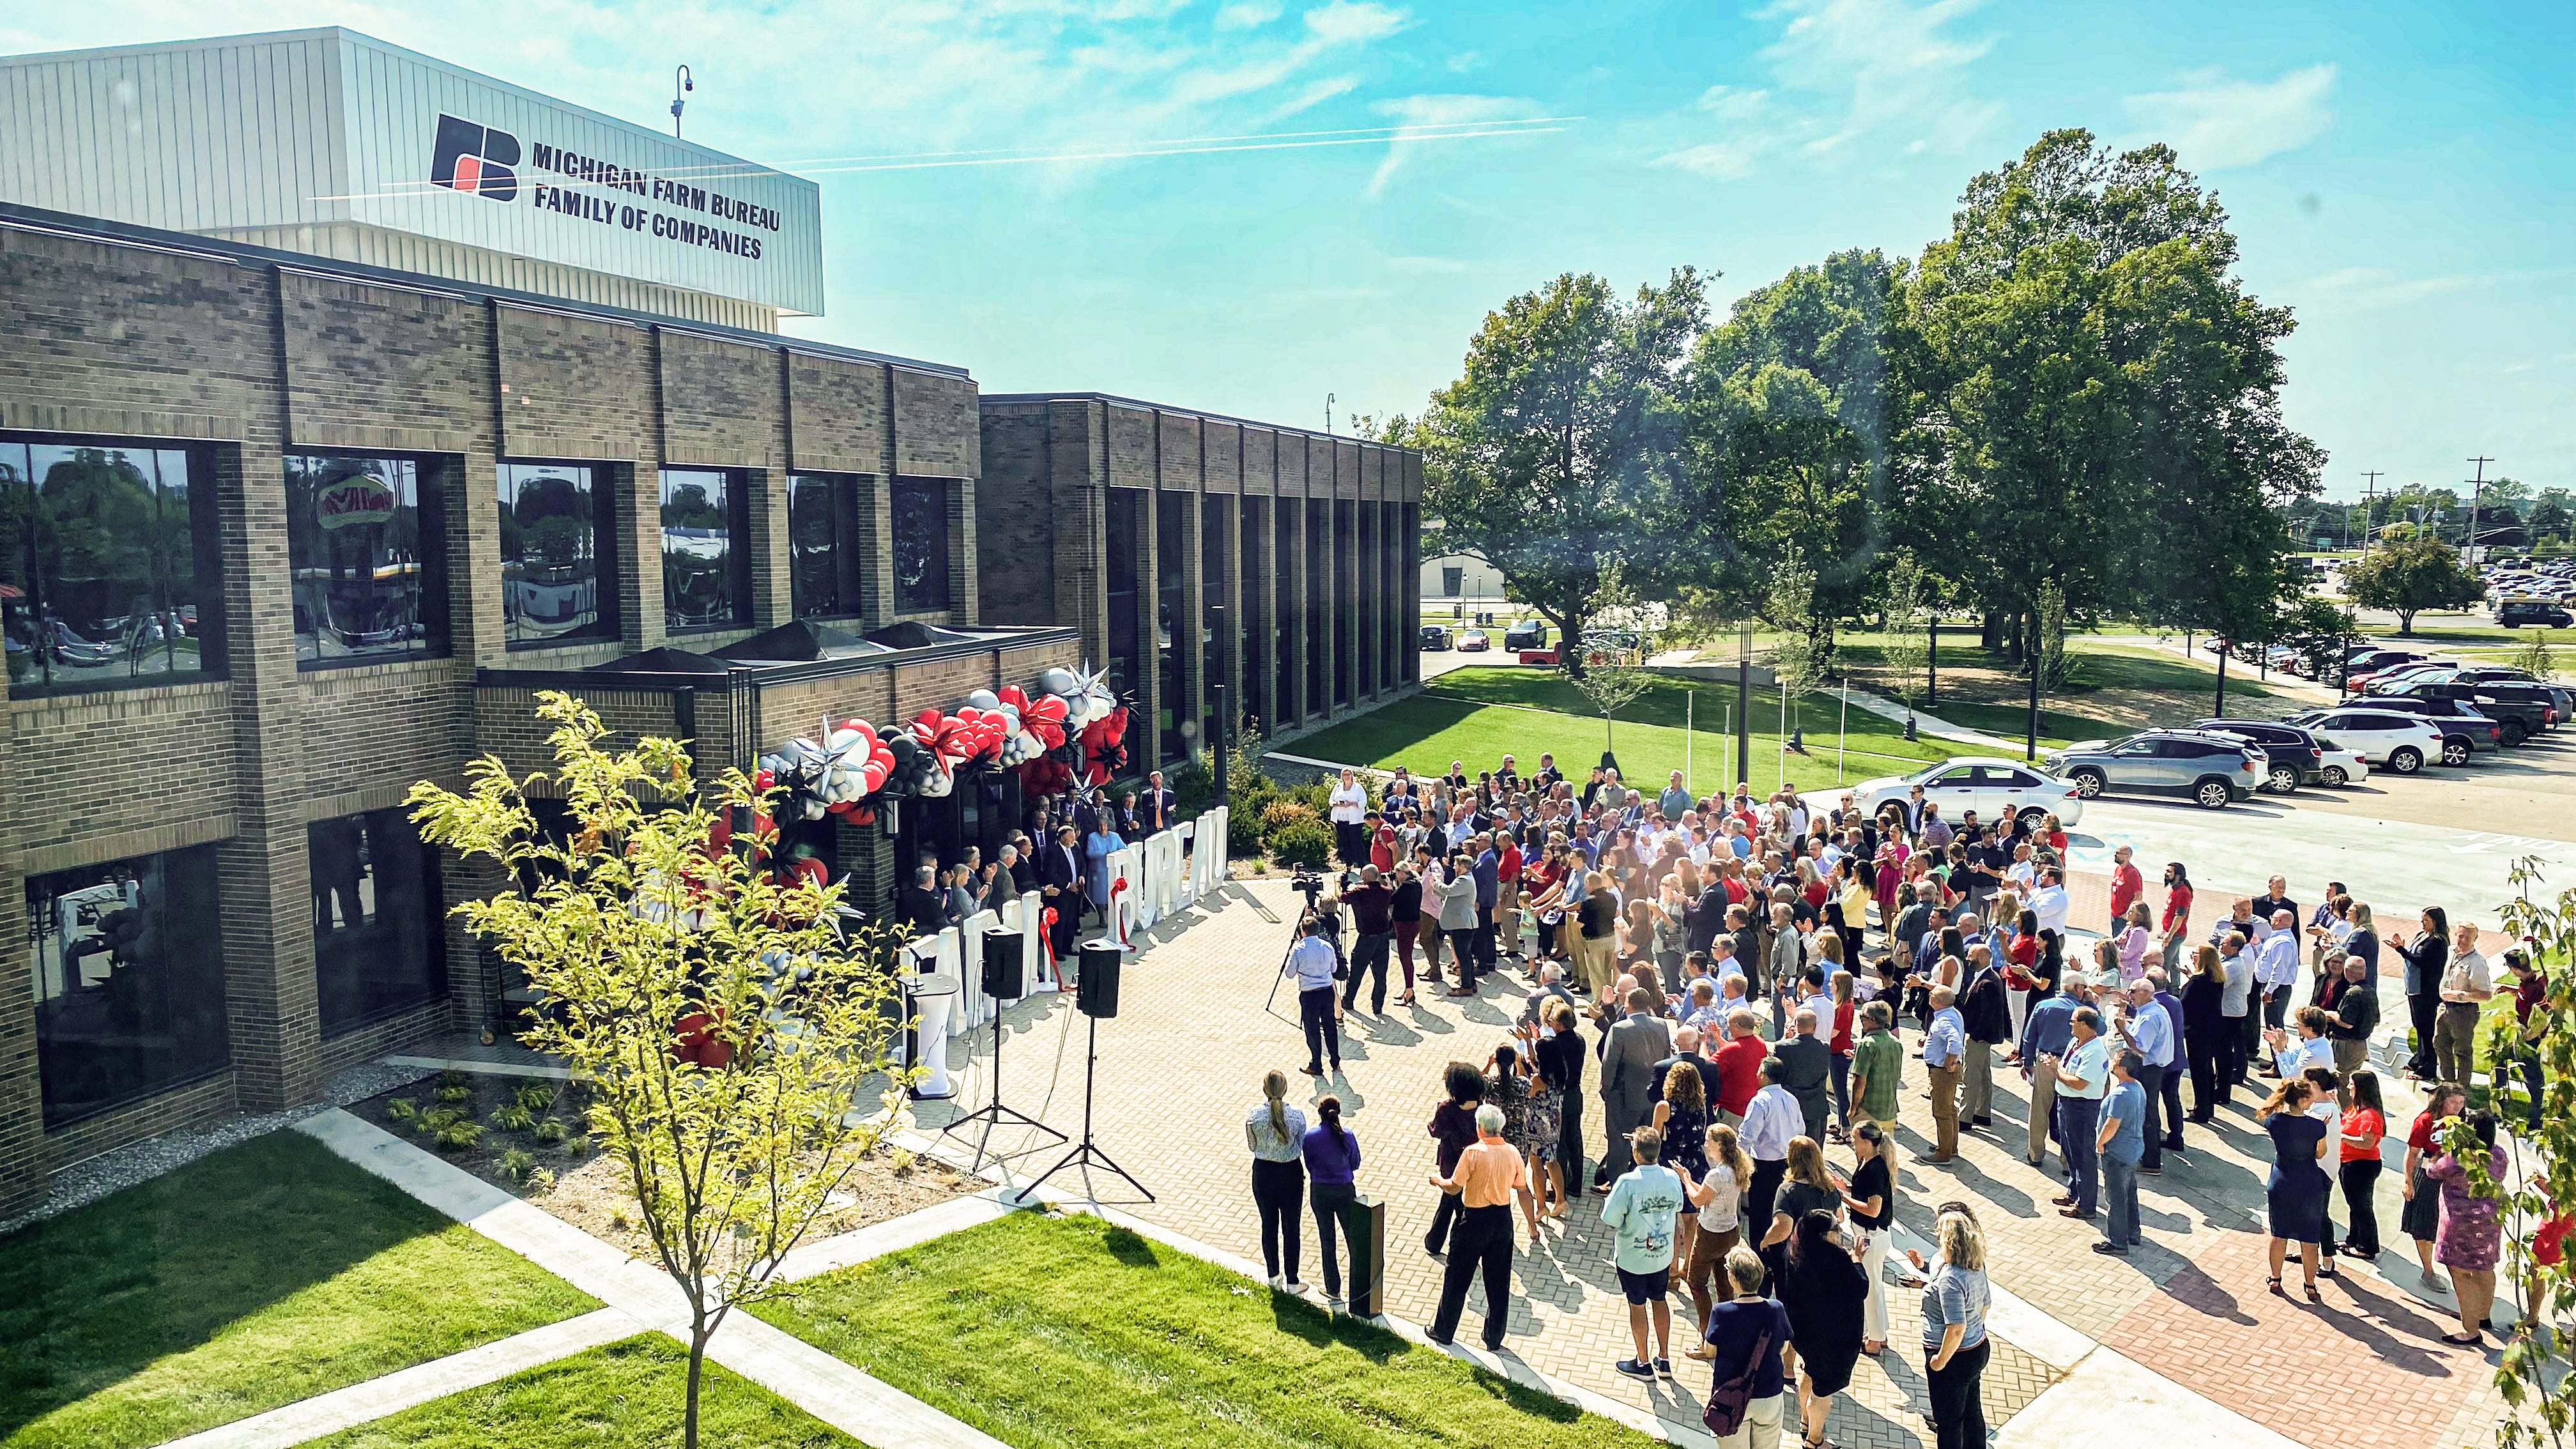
{"points": [[118, 233], [342, 34], [1001, 399]]}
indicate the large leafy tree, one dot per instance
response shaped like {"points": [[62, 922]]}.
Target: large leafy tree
{"points": [[2409, 576], [2091, 398], [1788, 430], [1554, 456]]}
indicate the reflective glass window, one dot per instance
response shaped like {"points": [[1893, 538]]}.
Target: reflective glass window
{"points": [[129, 979], [367, 543], [107, 566]]}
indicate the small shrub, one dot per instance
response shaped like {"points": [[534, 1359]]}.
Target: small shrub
{"points": [[403, 1110], [458, 1136], [541, 1179], [1303, 843], [1243, 830], [617, 1221], [535, 1096], [1260, 866], [1280, 814], [458, 1093], [551, 1130], [514, 1118], [454, 1078], [437, 1120], [517, 1163]]}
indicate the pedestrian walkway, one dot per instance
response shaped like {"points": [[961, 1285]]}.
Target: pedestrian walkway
{"points": [[1197, 1027]]}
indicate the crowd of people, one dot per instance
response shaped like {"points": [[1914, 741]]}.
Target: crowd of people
{"points": [[1727, 978]]}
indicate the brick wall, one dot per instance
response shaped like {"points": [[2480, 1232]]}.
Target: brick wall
{"points": [[1016, 525]]}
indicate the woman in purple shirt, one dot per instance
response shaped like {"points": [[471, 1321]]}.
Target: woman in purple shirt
{"points": [[1332, 1156]]}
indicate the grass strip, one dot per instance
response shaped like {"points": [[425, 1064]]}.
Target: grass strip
{"points": [[256, 1276], [1072, 1333]]}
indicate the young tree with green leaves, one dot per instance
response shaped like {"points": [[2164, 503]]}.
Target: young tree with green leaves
{"points": [[2410, 576], [1905, 647], [1554, 456], [724, 1024], [1799, 659]]}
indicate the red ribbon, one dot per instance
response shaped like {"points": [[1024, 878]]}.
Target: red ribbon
{"points": [[1117, 888], [1046, 933]]}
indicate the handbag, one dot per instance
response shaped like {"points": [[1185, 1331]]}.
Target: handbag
{"points": [[1727, 1402]]}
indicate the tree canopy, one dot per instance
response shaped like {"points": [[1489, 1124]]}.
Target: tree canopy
{"points": [[2409, 576]]}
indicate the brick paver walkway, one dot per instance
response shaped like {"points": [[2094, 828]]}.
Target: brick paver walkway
{"points": [[1181, 1065]]}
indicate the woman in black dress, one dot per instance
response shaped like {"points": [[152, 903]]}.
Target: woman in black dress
{"points": [[1823, 1289], [2204, 1031], [2295, 1196]]}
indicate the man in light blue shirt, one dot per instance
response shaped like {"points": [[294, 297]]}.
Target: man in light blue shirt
{"points": [[1640, 1213], [2121, 1140], [1945, 1044], [2276, 968], [1771, 1118], [2083, 1080], [2149, 1031], [2047, 1033], [1312, 961]]}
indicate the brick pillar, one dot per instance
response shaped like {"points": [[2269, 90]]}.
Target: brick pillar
{"points": [[863, 858], [1145, 752], [473, 973], [273, 1012], [22, 1101], [876, 525], [765, 545], [637, 489], [469, 489]]}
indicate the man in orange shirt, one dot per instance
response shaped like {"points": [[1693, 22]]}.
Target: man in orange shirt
{"points": [[1487, 1176]]}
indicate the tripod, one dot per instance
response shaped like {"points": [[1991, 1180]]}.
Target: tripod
{"points": [[993, 1114], [1087, 1153]]}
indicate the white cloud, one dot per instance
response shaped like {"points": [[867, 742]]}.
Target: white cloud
{"points": [[1345, 21], [1439, 112], [2214, 122], [1849, 77], [1465, 61], [1247, 15]]}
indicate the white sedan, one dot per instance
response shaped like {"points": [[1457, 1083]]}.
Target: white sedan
{"points": [[2342, 765], [1995, 788]]}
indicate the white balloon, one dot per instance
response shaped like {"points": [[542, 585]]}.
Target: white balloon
{"points": [[984, 699]]}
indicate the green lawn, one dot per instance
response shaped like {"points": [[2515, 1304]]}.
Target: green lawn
{"points": [[628, 1395], [256, 1276], [1074, 1334]]}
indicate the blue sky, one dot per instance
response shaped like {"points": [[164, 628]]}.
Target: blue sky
{"points": [[2404, 176]]}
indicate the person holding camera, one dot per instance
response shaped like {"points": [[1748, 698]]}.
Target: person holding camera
{"points": [[1314, 963]]}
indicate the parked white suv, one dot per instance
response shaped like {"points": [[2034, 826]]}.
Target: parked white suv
{"points": [[2399, 742]]}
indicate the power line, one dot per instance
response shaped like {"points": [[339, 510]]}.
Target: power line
{"points": [[2369, 496]]}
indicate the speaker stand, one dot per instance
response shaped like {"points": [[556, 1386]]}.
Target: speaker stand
{"points": [[1087, 1153], [993, 1114]]}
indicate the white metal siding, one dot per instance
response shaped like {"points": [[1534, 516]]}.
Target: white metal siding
{"points": [[258, 137]]}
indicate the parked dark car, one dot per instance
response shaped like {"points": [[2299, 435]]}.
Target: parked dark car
{"points": [[1435, 636], [2520, 711], [2373, 660], [2519, 613], [1528, 634], [2293, 755], [2465, 731]]}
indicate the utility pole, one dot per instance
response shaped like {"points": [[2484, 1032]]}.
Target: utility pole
{"points": [[1743, 700], [2369, 495], [1328, 413], [2477, 486]]}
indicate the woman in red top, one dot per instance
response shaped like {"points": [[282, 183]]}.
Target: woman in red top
{"points": [[2365, 1122], [2422, 1215], [1845, 1008]]}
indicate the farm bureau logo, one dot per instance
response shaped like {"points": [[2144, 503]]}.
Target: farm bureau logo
{"points": [[476, 160]]}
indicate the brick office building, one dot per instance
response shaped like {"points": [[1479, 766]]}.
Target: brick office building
{"points": [[1191, 550], [301, 502]]}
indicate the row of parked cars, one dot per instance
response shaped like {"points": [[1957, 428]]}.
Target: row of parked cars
{"points": [[2407, 712]]}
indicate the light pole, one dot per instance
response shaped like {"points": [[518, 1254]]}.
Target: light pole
{"points": [[1743, 698], [682, 82]]}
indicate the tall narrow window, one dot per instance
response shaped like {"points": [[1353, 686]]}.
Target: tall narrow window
{"points": [[1319, 594], [826, 546], [706, 579], [1286, 586], [1216, 630], [1342, 583], [1174, 630], [129, 979], [1126, 540], [108, 566], [376, 943], [366, 538], [921, 545], [1255, 596], [558, 557]]}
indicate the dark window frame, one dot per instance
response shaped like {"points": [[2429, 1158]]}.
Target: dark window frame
{"points": [[205, 557], [938, 559], [844, 495], [736, 568], [189, 1012], [606, 556], [430, 475], [366, 940]]}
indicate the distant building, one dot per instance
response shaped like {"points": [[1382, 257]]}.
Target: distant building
{"points": [[1455, 578]]}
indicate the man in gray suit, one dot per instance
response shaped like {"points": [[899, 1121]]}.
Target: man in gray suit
{"points": [[1806, 1063], [1628, 1079]]}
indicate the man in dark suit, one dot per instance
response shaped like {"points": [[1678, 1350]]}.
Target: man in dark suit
{"points": [[924, 907], [1154, 807], [1805, 1066], [1628, 1083], [1060, 879]]}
